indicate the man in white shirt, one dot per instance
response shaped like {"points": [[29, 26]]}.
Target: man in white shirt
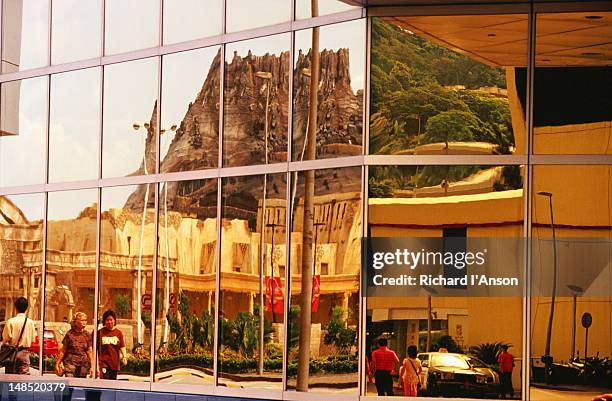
{"points": [[11, 333]]}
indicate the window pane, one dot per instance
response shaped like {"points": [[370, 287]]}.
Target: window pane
{"points": [[339, 125], [130, 107], [571, 280], [71, 268], [572, 83], [186, 279], [252, 281], [75, 30], [74, 125], [23, 120], [191, 19], [256, 93], [21, 230], [127, 235], [130, 25], [190, 110], [469, 208], [332, 255], [248, 14], [303, 8], [25, 26], [449, 85]]}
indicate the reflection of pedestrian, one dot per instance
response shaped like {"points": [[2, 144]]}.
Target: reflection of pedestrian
{"points": [[111, 347], [76, 356], [506, 365], [410, 371], [19, 331], [384, 364]]}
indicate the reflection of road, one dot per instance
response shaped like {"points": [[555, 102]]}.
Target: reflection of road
{"points": [[541, 394]]}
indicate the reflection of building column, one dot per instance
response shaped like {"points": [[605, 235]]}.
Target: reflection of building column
{"points": [[210, 298], [345, 306], [252, 296]]}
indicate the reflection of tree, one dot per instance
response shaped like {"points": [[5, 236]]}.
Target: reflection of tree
{"points": [[308, 220], [414, 81]]}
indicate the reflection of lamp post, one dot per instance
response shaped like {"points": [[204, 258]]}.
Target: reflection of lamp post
{"points": [[167, 292], [136, 127], [576, 290], [430, 291], [547, 358], [267, 76], [273, 226]]}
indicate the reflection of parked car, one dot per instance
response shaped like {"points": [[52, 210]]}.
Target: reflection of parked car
{"points": [[50, 346], [457, 375]]}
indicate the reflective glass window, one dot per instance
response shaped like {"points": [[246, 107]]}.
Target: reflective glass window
{"points": [[571, 291], [25, 26], [461, 210], [572, 83], [23, 120], [252, 280], [249, 14], [186, 280], [75, 30], [325, 272], [256, 97], [21, 230], [190, 110], [303, 8], [130, 118], [127, 236], [448, 85], [130, 25], [192, 19], [71, 274], [74, 125], [338, 128]]}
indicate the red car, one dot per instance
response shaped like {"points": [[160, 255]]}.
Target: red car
{"points": [[50, 346]]}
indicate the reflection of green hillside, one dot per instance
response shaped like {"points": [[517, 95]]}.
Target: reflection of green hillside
{"points": [[424, 93]]}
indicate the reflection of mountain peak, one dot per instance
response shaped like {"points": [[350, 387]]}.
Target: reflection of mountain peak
{"points": [[248, 88]]}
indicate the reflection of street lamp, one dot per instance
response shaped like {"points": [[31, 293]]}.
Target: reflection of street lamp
{"points": [[268, 77], [167, 292], [273, 226], [576, 290], [547, 358], [430, 291]]}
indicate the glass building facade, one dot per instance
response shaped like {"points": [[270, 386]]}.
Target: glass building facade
{"points": [[210, 170]]}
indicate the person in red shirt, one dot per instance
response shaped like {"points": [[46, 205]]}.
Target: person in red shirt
{"points": [[111, 347], [384, 364], [506, 365]]}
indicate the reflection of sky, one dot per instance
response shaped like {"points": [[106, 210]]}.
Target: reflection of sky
{"points": [[22, 156], [191, 19], [75, 38], [74, 125], [66, 205], [32, 205], [303, 8], [131, 25], [183, 76], [115, 197], [34, 27], [247, 14], [130, 90], [349, 35], [275, 44]]}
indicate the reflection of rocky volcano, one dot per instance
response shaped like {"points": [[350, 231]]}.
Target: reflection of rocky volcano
{"points": [[195, 144]]}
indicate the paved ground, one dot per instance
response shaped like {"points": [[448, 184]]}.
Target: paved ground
{"points": [[542, 394]]}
